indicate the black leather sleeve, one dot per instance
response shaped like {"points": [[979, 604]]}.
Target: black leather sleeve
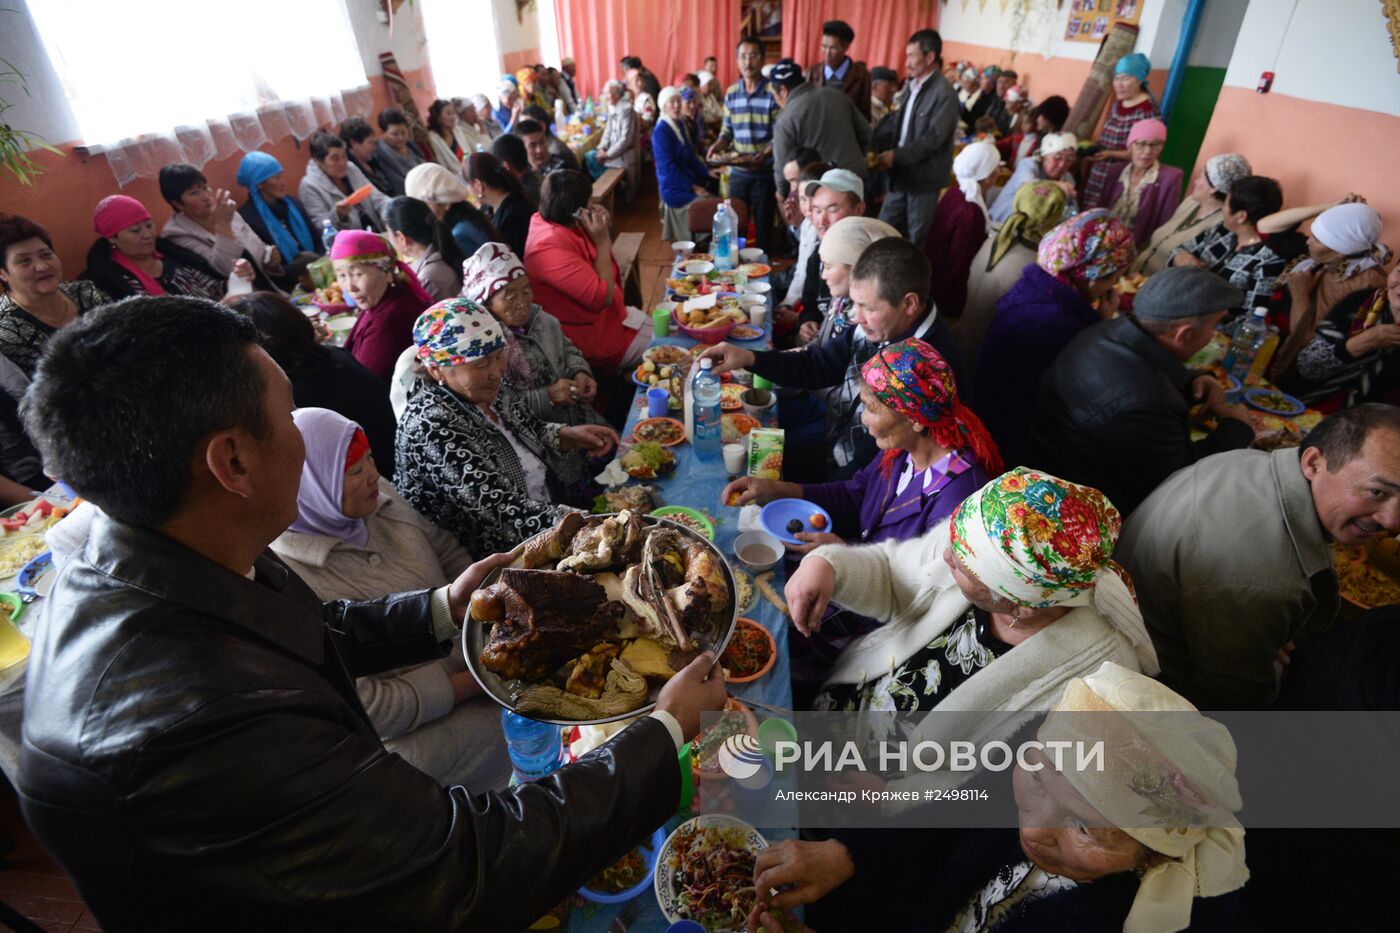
{"points": [[382, 634]]}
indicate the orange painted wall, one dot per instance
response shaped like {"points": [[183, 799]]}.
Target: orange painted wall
{"points": [[514, 61], [63, 197], [1318, 152]]}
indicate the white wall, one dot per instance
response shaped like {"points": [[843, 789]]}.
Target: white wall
{"points": [[1331, 51], [373, 37], [1044, 29], [516, 35]]}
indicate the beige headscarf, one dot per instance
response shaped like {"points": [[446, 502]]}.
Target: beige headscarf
{"points": [[846, 239], [1168, 781]]}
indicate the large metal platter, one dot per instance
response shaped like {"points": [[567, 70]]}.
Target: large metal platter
{"points": [[504, 692]]}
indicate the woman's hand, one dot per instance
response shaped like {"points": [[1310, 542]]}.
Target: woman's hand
{"points": [[562, 392], [224, 208], [342, 210], [243, 269], [597, 439], [808, 332], [808, 591], [751, 489], [803, 872], [595, 221], [813, 539], [587, 386], [460, 590], [1188, 259], [1372, 339]]}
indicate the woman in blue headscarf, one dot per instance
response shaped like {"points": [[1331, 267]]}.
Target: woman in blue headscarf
{"points": [[1131, 103], [274, 215]]}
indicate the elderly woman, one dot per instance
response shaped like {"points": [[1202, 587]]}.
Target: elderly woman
{"points": [[837, 253], [1143, 192], [356, 538], [396, 154], [206, 222], [129, 259], [442, 135], [569, 259], [322, 375], [482, 118], [1201, 209], [471, 135], [1023, 561], [1053, 162], [1233, 248], [936, 453], [1089, 852], [273, 214], [959, 227], [329, 181], [1345, 256], [470, 454], [1036, 210], [1070, 286], [499, 190], [680, 175], [618, 146], [1131, 103], [416, 235], [448, 196], [387, 293]]}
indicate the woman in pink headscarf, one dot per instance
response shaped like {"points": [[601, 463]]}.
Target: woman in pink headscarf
{"points": [[387, 293], [129, 259], [1142, 192]]}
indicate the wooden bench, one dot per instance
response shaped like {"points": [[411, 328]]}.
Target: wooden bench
{"points": [[606, 186], [626, 248]]}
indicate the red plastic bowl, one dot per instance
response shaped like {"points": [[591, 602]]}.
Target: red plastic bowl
{"points": [[704, 334]]}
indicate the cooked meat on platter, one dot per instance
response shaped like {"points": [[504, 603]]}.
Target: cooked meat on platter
{"points": [[544, 619], [604, 543]]}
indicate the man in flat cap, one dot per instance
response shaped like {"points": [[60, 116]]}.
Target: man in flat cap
{"points": [[884, 85], [1114, 410]]}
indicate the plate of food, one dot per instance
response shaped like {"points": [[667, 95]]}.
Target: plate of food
{"points": [[31, 518], [705, 872], [711, 324], [665, 354], [690, 518], [668, 432], [628, 876], [734, 719], [16, 552], [784, 518], [750, 654], [687, 286], [36, 578], [746, 332], [640, 497], [649, 374], [1273, 402], [734, 428], [595, 615], [1361, 583], [731, 397], [755, 270], [648, 460]]}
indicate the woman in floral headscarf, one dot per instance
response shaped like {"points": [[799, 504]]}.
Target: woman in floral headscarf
{"points": [[1025, 560], [936, 453], [1070, 286], [470, 453], [387, 293]]}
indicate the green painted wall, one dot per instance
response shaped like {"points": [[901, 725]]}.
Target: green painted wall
{"points": [[1200, 88]]}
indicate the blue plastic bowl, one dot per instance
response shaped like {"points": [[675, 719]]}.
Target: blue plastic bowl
{"points": [[776, 515], [658, 839]]}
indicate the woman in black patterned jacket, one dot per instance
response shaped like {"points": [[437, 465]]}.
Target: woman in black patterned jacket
{"points": [[471, 457]]}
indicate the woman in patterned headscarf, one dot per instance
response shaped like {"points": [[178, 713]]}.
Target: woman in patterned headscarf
{"points": [[1070, 286], [936, 453], [386, 291], [469, 451], [1024, 561]]}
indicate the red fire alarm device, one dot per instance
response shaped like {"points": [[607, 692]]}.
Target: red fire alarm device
{"points": [[1266, 81]]}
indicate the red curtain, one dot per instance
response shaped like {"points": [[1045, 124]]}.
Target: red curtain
{"points": [[671, 37], [882, 28]]}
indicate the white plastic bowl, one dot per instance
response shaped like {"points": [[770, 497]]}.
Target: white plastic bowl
{"points": [[698, 267], [684, 247], [756, 288], [758, 550], [751, 254]]}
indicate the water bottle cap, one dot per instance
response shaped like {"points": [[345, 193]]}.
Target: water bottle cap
{"points": [[1261, 311], [706, 362]]}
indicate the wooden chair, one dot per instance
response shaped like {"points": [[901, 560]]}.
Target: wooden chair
{"points": [[626, 248], [700, 217]]}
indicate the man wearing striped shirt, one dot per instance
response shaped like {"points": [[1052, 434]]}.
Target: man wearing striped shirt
{"points": [[749, 112]]}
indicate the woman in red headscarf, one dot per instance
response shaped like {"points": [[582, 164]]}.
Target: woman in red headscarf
{"points": [[129, 259], [936, 453], [387, 293]]}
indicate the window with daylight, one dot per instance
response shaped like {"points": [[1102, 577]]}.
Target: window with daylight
{"points": [[462, 46]]}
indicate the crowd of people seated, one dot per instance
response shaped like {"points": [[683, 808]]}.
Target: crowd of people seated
{"points": [[1038, 504]]}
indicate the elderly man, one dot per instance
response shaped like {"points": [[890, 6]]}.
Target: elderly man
{"points": [[889, 290], [749, 111], [567, 70], [837, 195], [884, 85], [820, 118], [1054, 162], [1232, 556], [921, 160], [838, 70], [1114, 409], [193, 744]]}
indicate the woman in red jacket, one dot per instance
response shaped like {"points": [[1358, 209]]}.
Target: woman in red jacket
{"points": [[568, 257]]}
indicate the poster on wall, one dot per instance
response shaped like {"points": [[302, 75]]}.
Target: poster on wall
{"points": [[1090, 20]]}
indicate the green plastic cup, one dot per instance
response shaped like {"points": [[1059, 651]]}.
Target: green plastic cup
{"points": [[760, 383], [661, 321], [773, 731], [687, 780]]}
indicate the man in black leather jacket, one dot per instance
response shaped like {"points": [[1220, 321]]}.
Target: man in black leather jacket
{"points": [[1114, 410], [195, 755]]}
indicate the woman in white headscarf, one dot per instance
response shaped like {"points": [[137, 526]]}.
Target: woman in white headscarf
{"points": [[1146, 844], [680, 175], [711, 102], [1345, 256], [960, 227]]}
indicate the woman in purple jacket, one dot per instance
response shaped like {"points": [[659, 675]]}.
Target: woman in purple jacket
{"points": [[1142, 192], [936, 453]]}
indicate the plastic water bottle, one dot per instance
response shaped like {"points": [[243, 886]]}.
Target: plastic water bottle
{"points": [[328, 232], [705, 389], [722, 237], [237, 285], [535, 748], [736, 242], [1250, 334], [560, 118]]}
